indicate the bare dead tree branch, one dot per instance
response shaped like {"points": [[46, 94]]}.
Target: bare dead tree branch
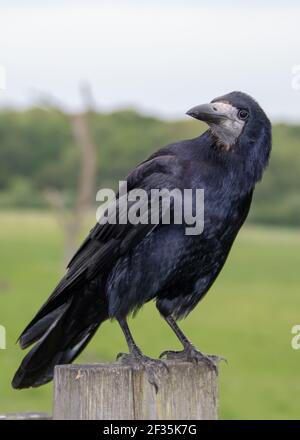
{"points": [[72, 219], [82, 135]]}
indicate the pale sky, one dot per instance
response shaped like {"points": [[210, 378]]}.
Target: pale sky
{"points": [[162, 57]]}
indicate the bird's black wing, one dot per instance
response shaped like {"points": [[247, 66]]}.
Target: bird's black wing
{"points": [[106, 242]]}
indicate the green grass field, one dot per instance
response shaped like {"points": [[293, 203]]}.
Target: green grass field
{"points": [[246, 317]]}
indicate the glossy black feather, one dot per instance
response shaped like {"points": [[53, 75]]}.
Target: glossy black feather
{"points": [[120, 267]]}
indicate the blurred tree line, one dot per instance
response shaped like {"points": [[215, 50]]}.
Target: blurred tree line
{"points": [[38, 151]]}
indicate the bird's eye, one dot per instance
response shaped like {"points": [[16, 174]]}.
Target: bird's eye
{"points": [[243, 114]]}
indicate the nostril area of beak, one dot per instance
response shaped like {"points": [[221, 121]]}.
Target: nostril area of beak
{"points": [[215, 109]]}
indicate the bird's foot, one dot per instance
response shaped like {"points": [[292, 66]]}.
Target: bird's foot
{"points": [[153, 367], [190, 354]]}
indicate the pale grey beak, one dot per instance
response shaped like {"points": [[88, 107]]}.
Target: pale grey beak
{"points": [[209, 113]]}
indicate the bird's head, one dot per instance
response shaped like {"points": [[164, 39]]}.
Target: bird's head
{"points": [[239, 125]]}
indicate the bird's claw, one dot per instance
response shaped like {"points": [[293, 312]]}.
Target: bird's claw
{"points": [[152, 366], [190, 354], [217, 359]]}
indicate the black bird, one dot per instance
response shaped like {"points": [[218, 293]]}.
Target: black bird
{"points": [[120, 267]]}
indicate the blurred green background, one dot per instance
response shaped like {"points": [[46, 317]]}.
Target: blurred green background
{"points": [[38, 152], [247, 316]]}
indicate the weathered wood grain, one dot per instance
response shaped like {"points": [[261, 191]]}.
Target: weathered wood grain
{"points": [[115, 391]]}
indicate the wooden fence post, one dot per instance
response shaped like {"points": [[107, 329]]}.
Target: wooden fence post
{"points": [[120, 392], [25, 416]]}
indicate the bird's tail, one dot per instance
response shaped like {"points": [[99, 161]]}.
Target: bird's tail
{"points": [[60, 336]]}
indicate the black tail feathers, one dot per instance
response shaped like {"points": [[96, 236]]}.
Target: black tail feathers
{"points": [[61, 336]]}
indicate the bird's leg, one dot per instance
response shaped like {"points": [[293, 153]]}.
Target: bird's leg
{"points": [[152, 366], [189, 352]]}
